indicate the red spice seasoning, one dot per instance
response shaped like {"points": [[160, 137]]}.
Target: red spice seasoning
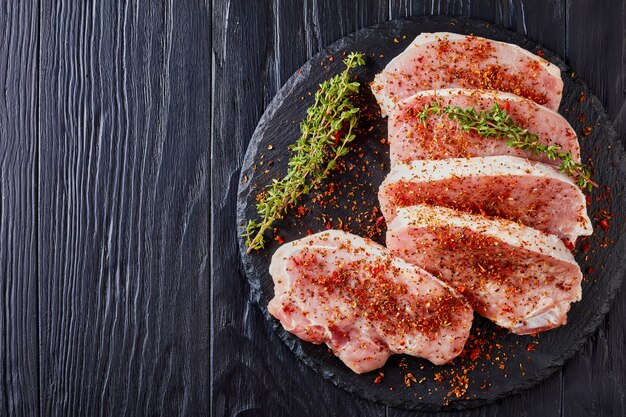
{"points": [[409, 378], [379, 378], [604, 224], [380, 221]]}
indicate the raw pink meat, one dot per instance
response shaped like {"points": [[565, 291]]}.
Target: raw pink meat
{"points": [[440, 137], [365, 304], [521, 279], [532, 193], [442, 60]]}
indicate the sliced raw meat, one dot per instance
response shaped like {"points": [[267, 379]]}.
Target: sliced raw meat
{"points": [[534, 194], [522, 279], [365, 304], [440, 137], [443, 60]]}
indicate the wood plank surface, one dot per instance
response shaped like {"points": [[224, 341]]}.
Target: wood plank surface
{"points": [[123, 125], [123, 202], [594, 382], [19, 373], [256, 51]]}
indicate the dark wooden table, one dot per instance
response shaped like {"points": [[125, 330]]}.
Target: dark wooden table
{"points": [[122, 128]]}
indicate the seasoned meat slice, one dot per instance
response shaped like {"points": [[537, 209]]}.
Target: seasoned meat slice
{"points": [[350, 293], [534, 194], [439, 137], [443, 60], [521, 279]]}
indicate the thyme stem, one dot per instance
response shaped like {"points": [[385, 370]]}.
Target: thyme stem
{"points": [[326, 132], [496, 123]]}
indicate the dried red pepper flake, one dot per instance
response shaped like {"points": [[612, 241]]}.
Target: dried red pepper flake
{"points": [[604, 225], [530, 347], [279, 239], [474, 354], [301, 210], [338, 136], [381, 222], [309, 232], [409, 378], [329, 225], [589, 270], [584, 248], [540, 53], [568, 244], [506, 106], [379, 378]]}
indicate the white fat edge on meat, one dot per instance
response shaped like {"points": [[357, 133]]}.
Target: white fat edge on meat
{"points": [[506, 231], [427, 170], [439, 170]]}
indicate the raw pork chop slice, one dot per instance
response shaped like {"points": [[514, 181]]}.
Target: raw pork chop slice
{"points": [[349, 292], [521, 279], [440, 137], [443, 60], [534, 194]]}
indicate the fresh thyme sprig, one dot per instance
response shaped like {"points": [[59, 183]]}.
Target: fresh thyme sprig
{"points": [[496, 123], [326, 132]]}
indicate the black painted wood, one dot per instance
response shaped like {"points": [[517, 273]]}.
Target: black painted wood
{"points": [[596, 49], [123, 208], [19, 372], [105, 149]]}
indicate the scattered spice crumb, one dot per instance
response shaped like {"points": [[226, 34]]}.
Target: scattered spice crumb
{"points": [[409, 378], [379, 378], [604, 224]]}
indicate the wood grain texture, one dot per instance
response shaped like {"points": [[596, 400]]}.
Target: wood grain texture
{"points": [[596, 49], [253, 372], [19, 373], [125, 93]]}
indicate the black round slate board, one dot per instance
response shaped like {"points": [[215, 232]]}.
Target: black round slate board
{"points": [[512, 362]]}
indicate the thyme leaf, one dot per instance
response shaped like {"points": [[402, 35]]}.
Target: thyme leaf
{"points": [[496, 123], [326, 133]]}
